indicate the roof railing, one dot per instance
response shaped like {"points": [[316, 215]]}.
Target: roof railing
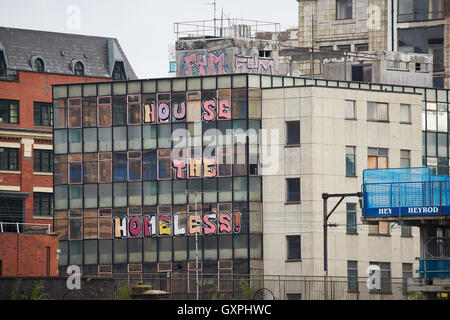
{"points": [[18, 229]]}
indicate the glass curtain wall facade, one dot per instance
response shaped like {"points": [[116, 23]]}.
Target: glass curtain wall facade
{"points": [[140, 166], [111, 161]]}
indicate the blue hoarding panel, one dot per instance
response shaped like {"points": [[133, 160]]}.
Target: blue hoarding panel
{"points": [[405, 191]]}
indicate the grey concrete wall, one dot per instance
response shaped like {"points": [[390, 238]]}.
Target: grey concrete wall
{"points": [[201, 57]]}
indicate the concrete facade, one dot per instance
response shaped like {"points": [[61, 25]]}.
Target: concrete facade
{"points": [[319, 162], [200, 57], [379, 25], [385, 67]]}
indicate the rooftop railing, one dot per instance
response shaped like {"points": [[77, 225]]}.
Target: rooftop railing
{"points": [[224, 28], [19, 227]]}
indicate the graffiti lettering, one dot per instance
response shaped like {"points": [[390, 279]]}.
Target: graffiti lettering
{"points": [[216, 110], [204, 63], [254, 65], [206, 168], [170, 225], [163, 111]]}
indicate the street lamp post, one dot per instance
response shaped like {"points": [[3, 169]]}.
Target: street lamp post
{"points": [[326, 216]]}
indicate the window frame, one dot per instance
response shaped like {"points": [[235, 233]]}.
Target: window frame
{"points": [[10, 151], [39, 197], [351, 228], [403, 157], [287, 191], [377, 157], [287, 124], [39, 106], [298, 256], [376, 114], [354, 161], [409, 113], [6, 105], [354, 110], [383, 290], [353, 268], [342, 4], [37, 157]]}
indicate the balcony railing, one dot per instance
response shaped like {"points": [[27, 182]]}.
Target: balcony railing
{"points": [[19, 227]]}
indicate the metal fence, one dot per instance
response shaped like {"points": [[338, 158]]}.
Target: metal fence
{"points": [[251, 287]]}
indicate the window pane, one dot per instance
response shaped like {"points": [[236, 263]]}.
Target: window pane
{"points": [[350, 161], [382, 112], [105, 251], [134, 137], [350, 109], [120, 138], [293, 133], [90, 196], [293, 247], [120, 251], [105, 195], [351, 218], [60, 141], [405, 113], [90, 252], [90, 139], [293, 189], [104, 139], [120, 194]]}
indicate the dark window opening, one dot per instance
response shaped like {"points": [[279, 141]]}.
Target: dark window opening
{"points": [[119, 71], [293, 190], [43, 114], [38, 65], [3, 70], [344, 9], [265, 53], [352, 276], [78, 69], [362, 73], [351, 218], [12, 212], [293, 133], [361, 47], [294, 296], [43, 161], [9, 159], [9, 111], [293, 247]]}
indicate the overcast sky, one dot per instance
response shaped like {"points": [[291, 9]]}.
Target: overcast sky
{"points": [[144, 28]]}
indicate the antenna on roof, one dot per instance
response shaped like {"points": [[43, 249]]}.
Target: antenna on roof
{"points": [[214, 4]]}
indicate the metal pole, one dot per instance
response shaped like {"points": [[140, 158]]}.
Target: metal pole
{"points": [[325, 247], [196, 249]]}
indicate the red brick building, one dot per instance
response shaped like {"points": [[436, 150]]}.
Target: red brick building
{"points": [[24, 254], [30, 63]]}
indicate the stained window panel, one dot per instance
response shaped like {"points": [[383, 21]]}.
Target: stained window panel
{"points": [[104, 111], [120, 166], [119, 107], [90, 112]]}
